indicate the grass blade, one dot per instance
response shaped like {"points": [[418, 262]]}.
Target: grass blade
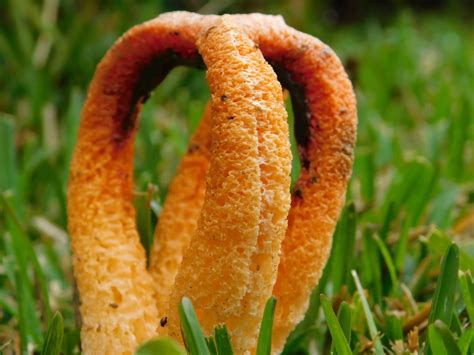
{"points": [[371, 266], [296, 343], [443, 300], [442, 205], [456, 325], [435, 343], [366, 171], [344, 317], [388, 219], [438, 242], [465, 341], [343, 248], [394, 328], [211, 344], [402, 244], [222, 340], [161, 346], [415, 172], [264, 345], [447, 338], [467, 291], [458, 134], [339, 339], [7, 154], [368, 315], [388, 261], [144, 218], [28, 323], [192, 332], [54, 336], [71, 128], [23, 32], [71, 341], [25, 253]]}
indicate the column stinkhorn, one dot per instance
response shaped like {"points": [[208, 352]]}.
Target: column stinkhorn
{"points": [[231, 261]]}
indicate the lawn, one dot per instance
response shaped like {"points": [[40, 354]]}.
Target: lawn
{"points": [[395, 280]]}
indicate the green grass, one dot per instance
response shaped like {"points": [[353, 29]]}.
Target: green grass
{"points": [[410, 198]]}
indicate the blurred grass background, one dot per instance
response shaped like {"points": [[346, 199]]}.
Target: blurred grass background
{"points": [[411, 195]]}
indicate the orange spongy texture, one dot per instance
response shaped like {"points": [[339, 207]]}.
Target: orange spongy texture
{"points": [[101, 177], [117, 294], [228, 227], [109, 261], [326, 156], [326, 153], [178, 218], [216, 272], [275, 168]]}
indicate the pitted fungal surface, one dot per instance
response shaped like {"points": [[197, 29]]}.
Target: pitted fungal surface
{"points": [[242, 146]]}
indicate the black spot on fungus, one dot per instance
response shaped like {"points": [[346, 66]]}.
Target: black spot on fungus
{"points": [[209, 30], [314, 180], [230, 117], [193, 148], [223, 98], [303, 48], [305, 163], [348, 150], [163, 321], [298, 194], [113, 305]]}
